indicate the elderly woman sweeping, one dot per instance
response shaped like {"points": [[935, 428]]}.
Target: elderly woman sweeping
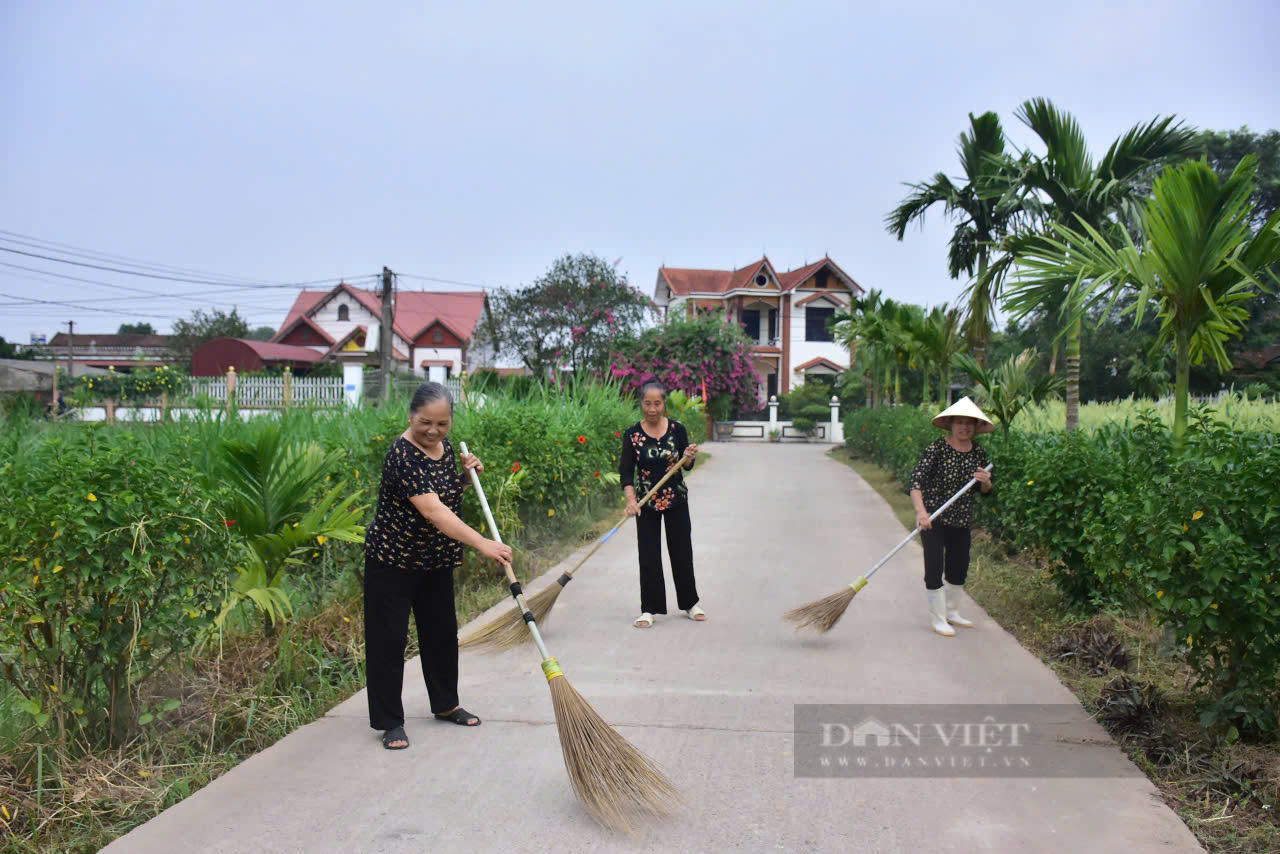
{"points": [[411, 550], [649, 448], [946, 465]]}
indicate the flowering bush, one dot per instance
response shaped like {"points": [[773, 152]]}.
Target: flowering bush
{"points": [[141, 384], [687, 352]]}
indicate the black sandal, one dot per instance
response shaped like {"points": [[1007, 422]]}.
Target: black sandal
{"points": [[460, 716], [395, 734]]}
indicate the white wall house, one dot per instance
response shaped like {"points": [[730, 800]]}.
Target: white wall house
{"points": [[431, 332], [785, 313]]}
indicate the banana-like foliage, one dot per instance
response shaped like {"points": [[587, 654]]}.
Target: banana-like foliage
{"points": [[1006, 389], [274, 484]]}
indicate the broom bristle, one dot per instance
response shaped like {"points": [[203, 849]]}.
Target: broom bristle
{"points": [[824, 613], [509, 631], [617, 783]]}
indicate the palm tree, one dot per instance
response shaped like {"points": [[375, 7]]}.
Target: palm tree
{"points": [[1007, 389], [1064, 185], [940, 341], [865, 333], [984, 214], [1197, 265]]}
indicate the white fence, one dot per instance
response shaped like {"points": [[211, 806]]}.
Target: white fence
{"points": [[271, 391]]}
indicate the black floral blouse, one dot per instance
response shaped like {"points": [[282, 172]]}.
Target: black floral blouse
{"points": [[644, 460], [941, 473], [399, 535]]}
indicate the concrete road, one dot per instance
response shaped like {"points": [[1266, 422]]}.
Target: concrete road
{"points": [[712, 703]]}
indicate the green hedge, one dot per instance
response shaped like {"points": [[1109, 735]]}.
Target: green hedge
{"points": [[1127, 520]]}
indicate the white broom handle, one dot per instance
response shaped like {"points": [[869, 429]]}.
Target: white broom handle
{"points": [[511, 576], [934, 515]]}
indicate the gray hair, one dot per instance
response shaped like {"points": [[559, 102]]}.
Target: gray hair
{"points": [[655, 386], [429, 393]]}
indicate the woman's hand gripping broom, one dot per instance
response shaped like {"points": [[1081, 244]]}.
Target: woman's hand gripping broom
{"points": [[616, 783], [826, 612]]}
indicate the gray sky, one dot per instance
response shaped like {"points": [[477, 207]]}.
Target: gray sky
{"points": [[478, 141]]}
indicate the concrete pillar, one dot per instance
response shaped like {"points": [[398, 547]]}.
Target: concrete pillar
{"points": [[353, 382], [773, 412], [836, 431]]}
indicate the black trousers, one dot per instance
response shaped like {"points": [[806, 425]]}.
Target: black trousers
{"points": [[946, 552], [390, 594], [653, 586]]}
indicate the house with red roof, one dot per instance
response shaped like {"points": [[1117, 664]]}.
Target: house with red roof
{"points": [[431, 334], [785, 313]]}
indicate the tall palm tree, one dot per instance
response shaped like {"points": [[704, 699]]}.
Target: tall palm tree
{"points": [[940, 341], [984, 212], [1064, 185], [1198, 264]]}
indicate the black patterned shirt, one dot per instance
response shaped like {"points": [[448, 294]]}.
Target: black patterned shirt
{"points": [[399, 535], [644, 460], [941, 473]]}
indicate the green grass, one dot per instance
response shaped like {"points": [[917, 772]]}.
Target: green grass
{"points": [[1220, 790], [236, 701]]}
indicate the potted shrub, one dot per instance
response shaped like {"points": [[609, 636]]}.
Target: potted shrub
{"points": [[722, 411], [775, 435]]}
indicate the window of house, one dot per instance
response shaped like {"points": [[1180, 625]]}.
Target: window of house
{"points": [[822, 278], [815, 323], [344, 313], [437, 336], [751, 323], [761, 280]]}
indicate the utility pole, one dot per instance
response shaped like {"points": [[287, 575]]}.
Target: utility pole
{"points": [[388, 317], [71, 346]]}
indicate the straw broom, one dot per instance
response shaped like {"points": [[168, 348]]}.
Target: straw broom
{"points": [[826, 612], [617, 783], [508, 631]]}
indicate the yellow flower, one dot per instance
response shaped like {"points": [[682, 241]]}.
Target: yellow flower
{"points": [[186, 540], [35, 579], [191, 613], [7, 814], [322, 539], [315, 554], [1030, 482], [551, 511], [92, 497], [57, 568], [346, 619], [1196, 515], [1159, 594], [1189, 637], [57, 534], [144, 774], [1185, 528], [53, 688]]}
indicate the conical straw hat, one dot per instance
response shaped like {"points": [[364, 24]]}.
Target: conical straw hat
{"points": [[966, 408]]}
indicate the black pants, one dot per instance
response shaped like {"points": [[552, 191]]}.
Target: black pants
{"points": [[653, 586], [946, 550], [389, 595]]}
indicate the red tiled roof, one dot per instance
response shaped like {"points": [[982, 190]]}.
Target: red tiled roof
{"points": [[270, 351], [684, 281], [819, 363], [834, 296], [1259, 358], [460, 311], [82, 339]]}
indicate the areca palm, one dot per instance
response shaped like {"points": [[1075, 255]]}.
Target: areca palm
{"points": [[984, 212], [940, 341], [1198, 264], [1064, 185]]}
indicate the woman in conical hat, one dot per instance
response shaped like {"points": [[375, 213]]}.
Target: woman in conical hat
{"points": [[946, 465]]}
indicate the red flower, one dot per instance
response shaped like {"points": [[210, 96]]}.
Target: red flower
{"points": [[617, 435], [228, 522], [582, 440], [597, 474], [515, 466]]}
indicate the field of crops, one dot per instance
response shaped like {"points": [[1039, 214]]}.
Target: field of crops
{"points": [[1233, 410]]}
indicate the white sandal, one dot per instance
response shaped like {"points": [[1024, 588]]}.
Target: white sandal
{"points": [[643, 621], [696, 614]]}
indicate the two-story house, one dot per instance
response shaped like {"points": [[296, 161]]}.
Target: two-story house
{"points": [[785, 313], [431, 330]]}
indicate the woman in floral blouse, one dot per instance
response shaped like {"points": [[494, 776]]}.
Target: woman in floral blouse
{"points": [[946, 465], [649, 449], [411, 550]]}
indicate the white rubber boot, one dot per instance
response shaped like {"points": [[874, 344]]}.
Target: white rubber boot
{"points": [[953, 596], [938, 612]]}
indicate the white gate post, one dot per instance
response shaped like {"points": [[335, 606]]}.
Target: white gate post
{"points": [[836, 433], [773, 412], [352, 382]]}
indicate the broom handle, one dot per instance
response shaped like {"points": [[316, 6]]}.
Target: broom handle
{"points": [[516, 592], [671, 471], [934, 515]]}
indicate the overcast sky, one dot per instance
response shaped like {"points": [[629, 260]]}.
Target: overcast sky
{"points": [[477, 141]]}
